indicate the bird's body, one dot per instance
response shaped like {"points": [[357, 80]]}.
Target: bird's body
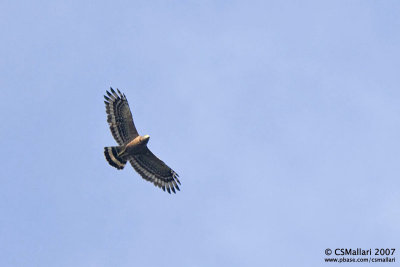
{"points": [[133, 147], [136, 146]]}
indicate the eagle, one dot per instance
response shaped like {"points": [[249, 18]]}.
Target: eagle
{"points": [[132, 147]]}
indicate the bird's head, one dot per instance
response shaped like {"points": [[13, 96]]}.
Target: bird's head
{"points": [[145, 138]]}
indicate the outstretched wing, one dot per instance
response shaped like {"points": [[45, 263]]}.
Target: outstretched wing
{"points": [[155, 170], [119, 117]]}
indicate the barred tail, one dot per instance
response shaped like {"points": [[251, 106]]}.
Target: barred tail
{"points": [[112, 157]]}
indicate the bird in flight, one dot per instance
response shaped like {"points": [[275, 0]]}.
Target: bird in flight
{"points": [[132, 147]]}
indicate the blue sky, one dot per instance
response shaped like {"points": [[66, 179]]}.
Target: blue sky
{"points": [[281, 117]]}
